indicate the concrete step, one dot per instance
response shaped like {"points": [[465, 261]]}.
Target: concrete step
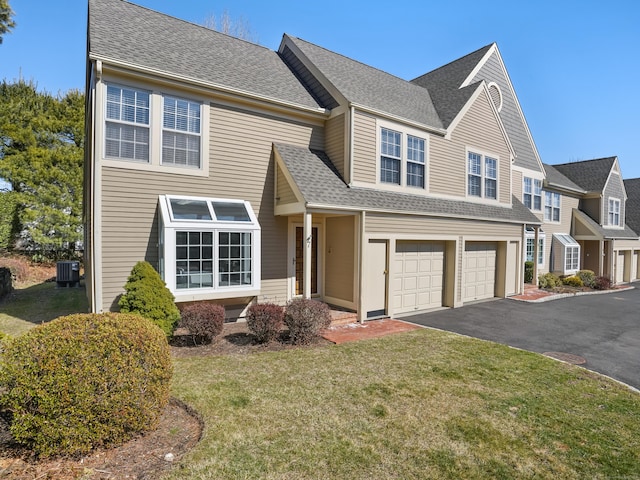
{"points": [[340, 317]]}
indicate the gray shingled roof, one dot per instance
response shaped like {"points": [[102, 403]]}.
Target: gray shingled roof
{"points": [[322, 186], [632, 207], [556, 179], [126, 32], [591, 175], [444, 84], [606, 233], [367, 86]]}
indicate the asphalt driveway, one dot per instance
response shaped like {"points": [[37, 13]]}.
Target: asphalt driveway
{"points": [[603, 329]]}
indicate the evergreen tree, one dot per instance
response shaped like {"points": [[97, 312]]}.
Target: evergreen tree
{"points": [[6, 18], [41, 155]]}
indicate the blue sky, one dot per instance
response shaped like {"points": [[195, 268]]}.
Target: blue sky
{"points": [[574, 64]]}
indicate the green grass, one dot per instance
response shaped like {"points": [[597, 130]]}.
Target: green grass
{"points": [[420, 405], [29, 306]]}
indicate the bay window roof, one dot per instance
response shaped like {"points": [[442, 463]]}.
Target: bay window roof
{"points": [[180, 211]]}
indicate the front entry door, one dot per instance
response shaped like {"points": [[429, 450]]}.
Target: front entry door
{"points": [[299, 286]]}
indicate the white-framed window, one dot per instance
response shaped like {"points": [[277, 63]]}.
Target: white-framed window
{"points": [[153, 129], [403, 156], [180, 132], [565, 253], [614, 212], [209, 248], [531, 239], [482, 175], [532, 193], [551, 206], [127, 123]]}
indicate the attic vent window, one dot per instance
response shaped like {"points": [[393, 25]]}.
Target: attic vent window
{"points": [[496, 95]]}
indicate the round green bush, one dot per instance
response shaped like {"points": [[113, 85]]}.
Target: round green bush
{"points": [[148, 295], [528, 272], [572, 281], [84, 381]]}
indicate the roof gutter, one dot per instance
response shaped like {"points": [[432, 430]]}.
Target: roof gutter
{"points": [[163, 75], [440, 131], [564, 188]]}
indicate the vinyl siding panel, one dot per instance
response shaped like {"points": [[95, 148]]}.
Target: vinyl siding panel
{"points": [[334, 143], [479, 131], [340, 257], [410, 226], [285, 194], [514, 124], [593, 208], [364, 148], [240, 166], [613, 189], [517, 185]]}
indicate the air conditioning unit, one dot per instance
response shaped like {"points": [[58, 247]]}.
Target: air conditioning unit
{"points": [[68, 274]]}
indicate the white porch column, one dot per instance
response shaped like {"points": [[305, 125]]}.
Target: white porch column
{"points": [[306, 257], [536, 247]]}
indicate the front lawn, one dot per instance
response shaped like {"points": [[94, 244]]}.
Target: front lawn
{"points": [[425, 404]]}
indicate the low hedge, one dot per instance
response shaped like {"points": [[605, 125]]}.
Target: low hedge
{"points": [[204, 321], [265, 321], [84, 381]]}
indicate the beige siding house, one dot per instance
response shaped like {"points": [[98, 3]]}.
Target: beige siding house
{"points": [[249, 175]]}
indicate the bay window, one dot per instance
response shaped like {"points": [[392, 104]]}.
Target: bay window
{"points": [[565, 254], [209, 248]]}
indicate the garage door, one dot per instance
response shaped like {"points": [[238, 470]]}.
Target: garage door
{"points": [[417, 278], [479, 278]]}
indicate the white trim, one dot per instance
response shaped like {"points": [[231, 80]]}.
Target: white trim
{"points": [[291, 250], [533, 195], [544, 207], [494, 84], [619, 203]]}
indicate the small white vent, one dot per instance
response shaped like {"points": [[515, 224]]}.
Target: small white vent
{"points": [[496, 95]]}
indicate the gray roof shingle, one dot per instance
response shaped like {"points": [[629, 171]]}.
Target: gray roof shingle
{"points": [[322, 186], [444, 84], [606, 233], [557, 179], [632, 207], [367, 86], [122, 31], [591, 175]]}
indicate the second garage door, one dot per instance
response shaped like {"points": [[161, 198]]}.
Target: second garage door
{"points": [[479, 271], [418, 276]]}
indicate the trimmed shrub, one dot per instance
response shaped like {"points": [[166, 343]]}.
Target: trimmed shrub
{"points": [[146, 294], [265, 321], [602, 283], [85, 381], [572, 281], [588, 277], [306, 319], [549, 280], [204, 321], [9, 206], [528, 272]]}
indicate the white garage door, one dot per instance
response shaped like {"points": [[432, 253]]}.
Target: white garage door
{"points": [[417, 278], [479, 271]]}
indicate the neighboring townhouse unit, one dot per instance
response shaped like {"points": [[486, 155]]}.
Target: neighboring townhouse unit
{"points": [[607, 245], [245, 174]]}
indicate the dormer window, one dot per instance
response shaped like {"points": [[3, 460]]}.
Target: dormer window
{"points": [[614, 212]]}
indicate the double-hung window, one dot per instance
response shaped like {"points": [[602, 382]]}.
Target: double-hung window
{"points": [[614, 212], [532, 193], [155, 130], [415, 161], [210, 248], [551, 206], [180, 132], [390, 156], [127, 124], [482, 176], [402, 158]]}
